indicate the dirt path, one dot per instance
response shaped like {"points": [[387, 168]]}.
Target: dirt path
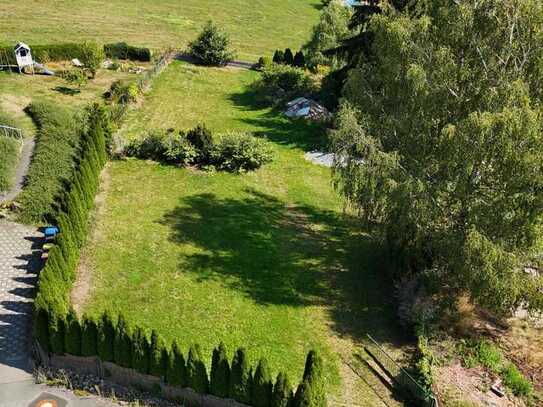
{"points": [[21, 170], [232, 64], [82, 288]]}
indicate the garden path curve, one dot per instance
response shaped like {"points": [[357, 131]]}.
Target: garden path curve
{"points": [[20, 171]]}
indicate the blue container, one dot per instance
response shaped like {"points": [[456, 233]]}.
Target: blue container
{"points": [[50, 231]]}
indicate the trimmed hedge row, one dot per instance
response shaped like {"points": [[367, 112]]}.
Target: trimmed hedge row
{"points": [[121, 50], [58, 329], [116, 342], [68, 51], [57, 142]]}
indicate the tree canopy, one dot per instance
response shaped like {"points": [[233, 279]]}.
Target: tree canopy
{"points": [[439, 143]]}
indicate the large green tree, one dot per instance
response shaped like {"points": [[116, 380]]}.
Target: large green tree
{"points": [[439, 142]]}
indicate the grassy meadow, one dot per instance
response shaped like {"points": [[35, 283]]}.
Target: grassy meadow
{"points": [[256, 27], [266, 260]]}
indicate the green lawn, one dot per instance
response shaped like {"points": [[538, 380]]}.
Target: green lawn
{"points": [[265, 260], [256, 27], [9, 153]]}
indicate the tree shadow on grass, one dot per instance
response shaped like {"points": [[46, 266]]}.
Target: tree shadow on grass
{"points": [[276, 127], [290, 254], [67, 91]]}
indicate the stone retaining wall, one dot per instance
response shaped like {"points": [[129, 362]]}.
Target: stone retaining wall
{"points": [[130, 378]]}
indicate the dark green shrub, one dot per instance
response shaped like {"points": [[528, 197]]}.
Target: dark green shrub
{"points": [[238, 152], [149, 147], [176, 374], [220, 372], [311, 392], [202, 139], [92, 56], [299, 60], [158, 356], [282, 392], [121, 50], [262, 385], [278, 57], [122, 348], [514, 380], [288, 57], [89, 337], [72, 334], [280, 83], [264, 62], [179, 150], [196, 371], [140, 351], [56, 333], [240, 378], [41, 328], [212, 46], [106, 338]]}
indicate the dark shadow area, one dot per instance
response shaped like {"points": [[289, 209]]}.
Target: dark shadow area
{"points": [[279, 253], [67, 91], [276, 127]]}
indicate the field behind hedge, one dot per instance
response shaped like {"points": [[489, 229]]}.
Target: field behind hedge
{"points": [[256, 27], [264, 260]]}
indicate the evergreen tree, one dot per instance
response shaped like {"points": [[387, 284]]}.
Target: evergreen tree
{"points": [[220, 372], [278, 57], [41, 328], [196, 371], [106, 338], [176, 375], [212, 46], [140, 351], [240, 378], [158, 358], [299, 60], [72, 334], [89, 337], [311, 392], [262, 385], [122, 347], [56, 333], [288, 57], [282, 392]]}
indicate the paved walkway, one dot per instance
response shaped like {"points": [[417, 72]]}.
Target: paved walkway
{"points": [[19, 263]]}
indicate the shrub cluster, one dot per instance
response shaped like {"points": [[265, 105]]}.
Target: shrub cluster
{"points": [[121, 50], [279, 83], [122, 92], [286, 57], [57, 144], [234, 152]]}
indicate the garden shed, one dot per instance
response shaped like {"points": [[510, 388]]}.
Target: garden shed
{"points": [[23, 56]]}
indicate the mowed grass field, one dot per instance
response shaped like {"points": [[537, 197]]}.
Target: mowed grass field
{"points": [[256, 27], [265, 260]]}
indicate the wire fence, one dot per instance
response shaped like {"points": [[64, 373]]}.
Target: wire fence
{"points": [[162, 62], [404, 380], [9, 131]]}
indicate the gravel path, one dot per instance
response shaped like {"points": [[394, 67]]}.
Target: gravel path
{"points": [[21, 170], [320, 158]]}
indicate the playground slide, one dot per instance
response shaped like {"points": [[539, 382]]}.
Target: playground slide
{"points": [[43, 68]]}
